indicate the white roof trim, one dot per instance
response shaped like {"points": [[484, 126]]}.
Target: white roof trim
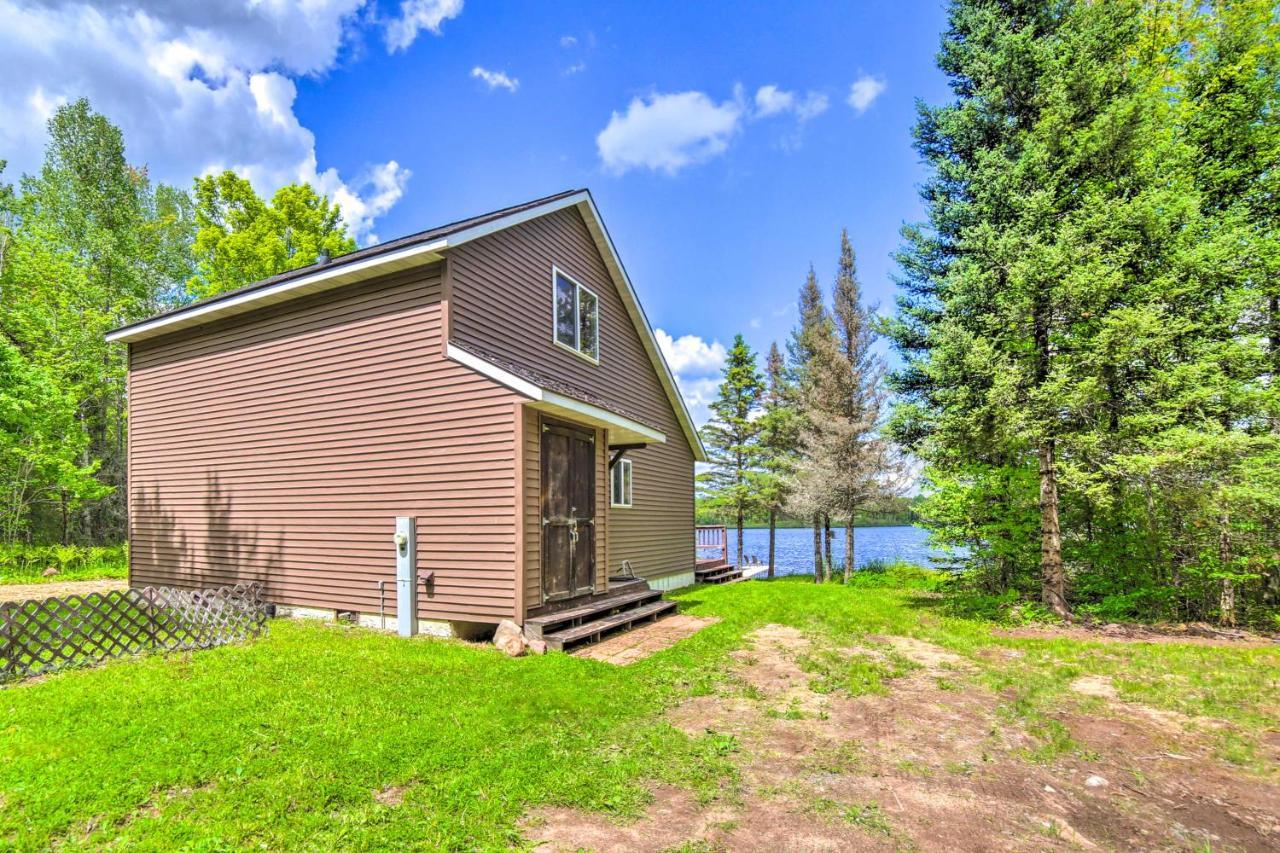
{"points": [[595, 224], [322, 279], [552, 401], [325, 278]]}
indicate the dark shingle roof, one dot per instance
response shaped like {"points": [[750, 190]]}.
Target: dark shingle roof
{"points": [[419, 238]]}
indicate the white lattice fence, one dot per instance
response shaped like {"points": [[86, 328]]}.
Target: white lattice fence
{"points": [[40, 636]]}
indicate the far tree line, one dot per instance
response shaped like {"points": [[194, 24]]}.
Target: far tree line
{"points": [[89, 243]]}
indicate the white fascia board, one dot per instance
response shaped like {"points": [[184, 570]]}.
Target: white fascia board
{"points": [[552, 401], [641, 322], [487, 228], [497, 374], [306, 283], [604, 416]]}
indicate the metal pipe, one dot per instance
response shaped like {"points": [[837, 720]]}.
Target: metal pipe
{"points": [[382, 603]]}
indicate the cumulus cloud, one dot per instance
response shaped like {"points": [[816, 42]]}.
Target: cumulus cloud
{"points": [[195, 87], [416, 16], [667, 132], [697, 365], [495, 79], [772, 101], [864, 91]]}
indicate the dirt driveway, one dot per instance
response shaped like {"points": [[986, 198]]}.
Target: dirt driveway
{"points": [[934, 762], [24, 591]]}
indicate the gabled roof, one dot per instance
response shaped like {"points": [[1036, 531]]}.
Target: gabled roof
{"points": [[413, 250]]}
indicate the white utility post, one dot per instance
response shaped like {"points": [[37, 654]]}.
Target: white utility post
{"points": [[406, 541]]}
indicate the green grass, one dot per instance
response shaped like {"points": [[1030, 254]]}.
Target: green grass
{"points": [[284, 742], [27, 564]]}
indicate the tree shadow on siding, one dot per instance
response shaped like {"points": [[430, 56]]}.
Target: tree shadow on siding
{"points": [[236, 552], [158, 549]]}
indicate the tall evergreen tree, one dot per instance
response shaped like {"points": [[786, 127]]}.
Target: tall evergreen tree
{"points": [[779, 443], [732, 438]]}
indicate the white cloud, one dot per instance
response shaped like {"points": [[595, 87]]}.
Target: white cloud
{"points": [[568, 41], [697, 366], [864, 91], [195, 88], [691, 354], [771, 101], [667, 132], [575, 68], [416, 16], [495, 79]]}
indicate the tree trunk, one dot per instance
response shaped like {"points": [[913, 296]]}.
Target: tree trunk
{"points": [[817, 547], [1053, 584], [848, 549], [740, 515], [773, 534], [1227, 598], [828, 563]]}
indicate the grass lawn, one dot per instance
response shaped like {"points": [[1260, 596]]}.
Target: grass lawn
{"points": [[21, 564], [321, 736]]}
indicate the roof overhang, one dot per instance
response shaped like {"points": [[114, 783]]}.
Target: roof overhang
{"points": [[622, 430], [324, 278], [336, 274]]}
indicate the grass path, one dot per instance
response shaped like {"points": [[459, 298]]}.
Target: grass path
{"points": [[323, 737]]}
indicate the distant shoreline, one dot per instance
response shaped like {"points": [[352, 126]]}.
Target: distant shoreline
{"points": [[834, 527]]}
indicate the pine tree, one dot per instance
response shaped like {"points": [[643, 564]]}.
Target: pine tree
{"points": [[732, 438], [860, 462], [779, 443], [812, 359]]}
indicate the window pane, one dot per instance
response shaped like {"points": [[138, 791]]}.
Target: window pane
{"points": [[626, 483], [588, 324], [616, 485], [566, 321]]}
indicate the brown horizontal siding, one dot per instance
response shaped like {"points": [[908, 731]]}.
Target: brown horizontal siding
{"points": [[280, 446], [502, 302]]}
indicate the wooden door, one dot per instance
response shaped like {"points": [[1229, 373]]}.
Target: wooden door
{"points": [[568, 511]]}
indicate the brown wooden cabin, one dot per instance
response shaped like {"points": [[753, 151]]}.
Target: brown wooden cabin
{"points": [[496, 379]]}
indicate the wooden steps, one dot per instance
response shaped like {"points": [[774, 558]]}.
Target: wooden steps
{"points": [[587, 621], [716, 572], [596, 628]]}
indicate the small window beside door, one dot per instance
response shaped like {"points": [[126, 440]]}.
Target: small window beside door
{"points": [[577, 317], [620, 480]]}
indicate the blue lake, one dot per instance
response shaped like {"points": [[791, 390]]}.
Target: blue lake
{"points": [[795, 546]]}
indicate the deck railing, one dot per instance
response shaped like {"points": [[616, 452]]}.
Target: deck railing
{"points": [[709, 536]]}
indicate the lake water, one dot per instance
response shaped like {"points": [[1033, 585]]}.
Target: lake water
{"points": [[795, 546]]}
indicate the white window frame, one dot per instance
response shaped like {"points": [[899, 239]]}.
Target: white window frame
{"points": [[630, 498], [556, 274]]}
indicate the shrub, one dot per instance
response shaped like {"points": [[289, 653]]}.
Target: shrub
{"points": [[28, 563]]}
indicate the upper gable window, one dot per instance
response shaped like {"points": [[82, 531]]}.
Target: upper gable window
{"points": [[577, 317]]}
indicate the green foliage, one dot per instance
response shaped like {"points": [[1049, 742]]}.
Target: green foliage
{"points": [[41, 446], [27, 564], [732, 438], [1096, 286], [88, 244], [242, 239]]}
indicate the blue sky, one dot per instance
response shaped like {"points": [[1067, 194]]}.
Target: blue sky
{"points": [[732, 156]]}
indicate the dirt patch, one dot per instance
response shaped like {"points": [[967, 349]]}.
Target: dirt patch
{"points": [[933, 762], [1197, 634], [24, 591], [1099, 686], [392, 795]]}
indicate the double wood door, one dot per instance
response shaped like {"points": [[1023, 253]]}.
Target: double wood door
{"points": [[568, 511]]}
